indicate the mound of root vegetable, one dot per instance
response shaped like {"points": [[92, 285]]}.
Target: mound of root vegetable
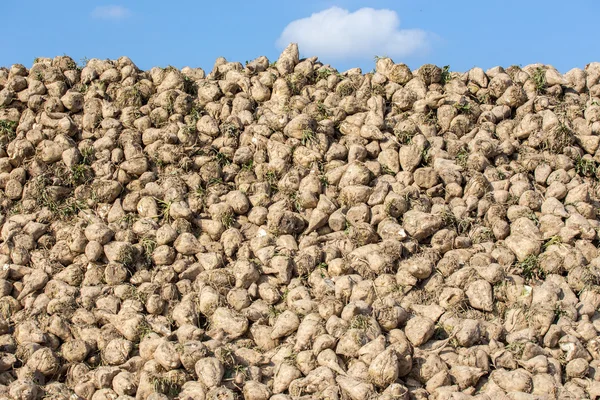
{"points": [[285, 231]]}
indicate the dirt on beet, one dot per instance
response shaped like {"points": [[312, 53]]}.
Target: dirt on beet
{"points": [[282, 230]]}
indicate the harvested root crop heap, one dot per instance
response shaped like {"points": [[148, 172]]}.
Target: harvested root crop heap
{"points": [[285, 231]]}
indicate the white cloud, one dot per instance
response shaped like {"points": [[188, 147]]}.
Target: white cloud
{"points": [[110, 12], [337, 34]]}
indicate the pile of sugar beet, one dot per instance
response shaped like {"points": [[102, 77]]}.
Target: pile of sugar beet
{"points": [[286, 231]]}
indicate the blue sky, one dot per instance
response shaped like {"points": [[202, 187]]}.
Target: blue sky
{"points": [[462, 34]]}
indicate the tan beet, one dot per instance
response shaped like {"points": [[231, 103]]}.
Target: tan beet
{"points": [[518, 380], [233, 324], [167, 356], [328, 358], [480, 295], [419, 330], [371, 350], [465, 376], [210, 371], [286, 324], [354, 389], [421, 225], [43, 361], [284, 375], [384, 368], [256, 391], [35, 281], [117, 351], [124, 384]]}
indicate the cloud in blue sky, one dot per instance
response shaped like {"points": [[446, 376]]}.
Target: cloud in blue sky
{"points": [[112, 12], [338, 34]]}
